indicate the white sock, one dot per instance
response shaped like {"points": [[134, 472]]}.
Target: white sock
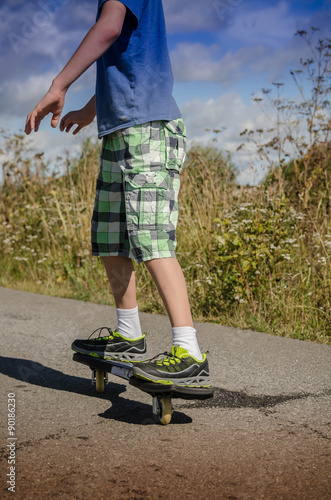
{"points": [[128, 323], [185, 336]]}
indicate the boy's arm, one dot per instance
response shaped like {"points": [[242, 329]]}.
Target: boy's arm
{"points": [[100, 37]]}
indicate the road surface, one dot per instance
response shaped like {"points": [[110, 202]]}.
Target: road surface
{"points": [[265, 435]]}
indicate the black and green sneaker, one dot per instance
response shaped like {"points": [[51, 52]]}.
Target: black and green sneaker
{"points": [[112, 346], [177, 368]]}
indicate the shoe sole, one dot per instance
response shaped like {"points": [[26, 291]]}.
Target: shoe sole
{"points": [[125, 357], [198, 381]]}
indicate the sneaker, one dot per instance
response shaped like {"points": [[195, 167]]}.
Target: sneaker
{"points": [[178, 368], [112, 346]]}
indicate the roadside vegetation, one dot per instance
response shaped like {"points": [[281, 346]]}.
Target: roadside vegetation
{"points": [[255, 257]]}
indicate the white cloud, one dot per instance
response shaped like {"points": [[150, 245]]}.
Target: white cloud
{"points": [[228, 111], [190, 16], [237, 19], [17, 97], [249, 41], [269, 24], [33, 40], [197, 62], [86, 13]]}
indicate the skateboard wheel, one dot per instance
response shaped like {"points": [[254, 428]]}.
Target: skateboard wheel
{"points": [[100, 381], [162, 410]]}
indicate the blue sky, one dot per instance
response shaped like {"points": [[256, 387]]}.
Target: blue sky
{"points": [[223, 52]]}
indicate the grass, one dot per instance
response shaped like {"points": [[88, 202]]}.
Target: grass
{"points": [[251, 257]]}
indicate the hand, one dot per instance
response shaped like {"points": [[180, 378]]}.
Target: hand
{"points": [[81, 117], [52, 102]]}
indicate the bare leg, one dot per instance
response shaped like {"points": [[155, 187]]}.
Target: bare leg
{"points": [[122, 280], [169, 279]]}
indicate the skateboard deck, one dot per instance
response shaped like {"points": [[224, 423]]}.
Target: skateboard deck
{"points": [[161, 394]]}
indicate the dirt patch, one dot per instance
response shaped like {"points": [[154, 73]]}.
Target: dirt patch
{"points": [[235, 469]]}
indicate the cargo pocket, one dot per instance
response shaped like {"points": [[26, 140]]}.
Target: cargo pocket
{"points": [[175, 142], [146, 200]]}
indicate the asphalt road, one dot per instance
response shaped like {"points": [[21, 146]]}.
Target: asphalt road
{"points": [[265, 435]]}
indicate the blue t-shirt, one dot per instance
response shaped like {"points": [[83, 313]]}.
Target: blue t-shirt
{"points": [[134, 76]]}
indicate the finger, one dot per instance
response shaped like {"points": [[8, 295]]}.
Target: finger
{"points": [[30, 123], [55, 120], [69, 126], [27, 125], [63, 122], [77, 130], [36, 124], [37, 121]]}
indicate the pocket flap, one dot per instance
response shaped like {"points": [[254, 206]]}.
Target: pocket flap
{"points": [[147, 180], [174, 127]]}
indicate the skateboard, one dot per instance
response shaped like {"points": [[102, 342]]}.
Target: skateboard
{"points": [[162, 394]]}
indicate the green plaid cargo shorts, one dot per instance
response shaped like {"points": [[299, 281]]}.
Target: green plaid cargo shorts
{"points": [[136, 205]]}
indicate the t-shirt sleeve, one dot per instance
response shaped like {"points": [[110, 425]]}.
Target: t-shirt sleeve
{"points": [[135, 8]]}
